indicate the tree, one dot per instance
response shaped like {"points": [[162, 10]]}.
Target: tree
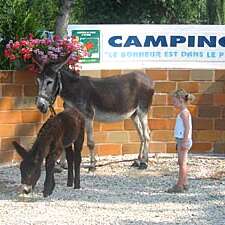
{"points": [[62, 19]]}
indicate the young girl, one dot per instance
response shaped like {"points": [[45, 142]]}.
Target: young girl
{"points": [[183, 135]]}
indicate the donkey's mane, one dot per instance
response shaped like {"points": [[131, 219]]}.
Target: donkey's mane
{"points": [[74, 75], [50, 133], [45, 128]]}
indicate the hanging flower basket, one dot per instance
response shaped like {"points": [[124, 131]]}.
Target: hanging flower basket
{"points": [[21, 52]]}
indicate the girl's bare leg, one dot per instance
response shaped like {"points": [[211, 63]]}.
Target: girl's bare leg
{"points": [[183, 167]]}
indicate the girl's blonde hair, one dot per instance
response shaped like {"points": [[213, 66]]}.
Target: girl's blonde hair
{"points": [[181, 93]]}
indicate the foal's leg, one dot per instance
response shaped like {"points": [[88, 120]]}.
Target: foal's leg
{"points": [[69, 158], [143, 117], [77, 160], [139, 129], [77, 157], [90, 142], [49, 183]]}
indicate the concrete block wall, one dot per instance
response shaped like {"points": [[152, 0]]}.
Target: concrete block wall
{"points": [[20, 120]]}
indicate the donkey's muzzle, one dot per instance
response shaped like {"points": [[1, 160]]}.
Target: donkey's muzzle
{"points": [[42, 104]]}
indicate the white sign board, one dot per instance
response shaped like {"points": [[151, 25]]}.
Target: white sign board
{"points": [[152, 46]]}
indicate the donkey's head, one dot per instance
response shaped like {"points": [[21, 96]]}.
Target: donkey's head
{"points": [[30, 169], [49, 82]]}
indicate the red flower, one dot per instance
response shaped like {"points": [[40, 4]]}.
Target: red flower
{"points": [[25, 51], [16, 45], [31, 36], [12, 57], [23, 42], [27, 56], [7, 53]]}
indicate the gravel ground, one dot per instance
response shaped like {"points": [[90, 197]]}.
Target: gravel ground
{"points": [[116, 194]]}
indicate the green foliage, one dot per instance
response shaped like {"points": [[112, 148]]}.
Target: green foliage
{"points": [[45, 13], [145, 11], [19, 18], [16, 21], [184, 12]]}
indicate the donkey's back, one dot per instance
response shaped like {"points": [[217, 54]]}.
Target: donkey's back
{"points": [[71, 123], [118, 97], [65, 128]]}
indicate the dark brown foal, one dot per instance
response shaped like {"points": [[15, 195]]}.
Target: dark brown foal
{"points": [[58, 133]]}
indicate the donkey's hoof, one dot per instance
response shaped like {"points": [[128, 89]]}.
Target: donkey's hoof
{"points": [[46, 193], [58, 170], [135, 164], [143, 166], [70, 184], [77, 187]]}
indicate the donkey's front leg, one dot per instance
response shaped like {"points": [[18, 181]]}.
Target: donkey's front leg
{"points": [[90, 142], [49, 183]]}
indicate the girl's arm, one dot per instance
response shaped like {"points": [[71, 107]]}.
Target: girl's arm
{"points": [[185, 117]]}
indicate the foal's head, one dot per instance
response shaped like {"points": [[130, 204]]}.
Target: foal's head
{"points": [[29, 168]]}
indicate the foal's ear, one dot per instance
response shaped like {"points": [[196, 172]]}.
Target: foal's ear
{"points": [[59, 65], [20, 150]]}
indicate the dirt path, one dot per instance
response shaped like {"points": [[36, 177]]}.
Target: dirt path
{"points": [[117, 194]]}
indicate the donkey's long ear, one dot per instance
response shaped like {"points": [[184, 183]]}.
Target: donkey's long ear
{"points": [[20, 150], [36, 61], [59, 65]]}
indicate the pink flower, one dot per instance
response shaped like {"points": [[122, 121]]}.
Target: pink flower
{"points": [[35, 41], [43, 42], [8, 45], [56, 38], [48, 41]]}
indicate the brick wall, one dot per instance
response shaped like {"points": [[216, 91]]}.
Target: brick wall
{"points": [[20, 120]]}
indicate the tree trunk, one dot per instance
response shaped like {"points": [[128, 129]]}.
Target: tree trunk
{"points": [[62, 19], [211, 11], [215, 11], [221, 12]]}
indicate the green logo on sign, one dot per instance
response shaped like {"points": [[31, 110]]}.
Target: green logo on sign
{"points": [[91, 40]]}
